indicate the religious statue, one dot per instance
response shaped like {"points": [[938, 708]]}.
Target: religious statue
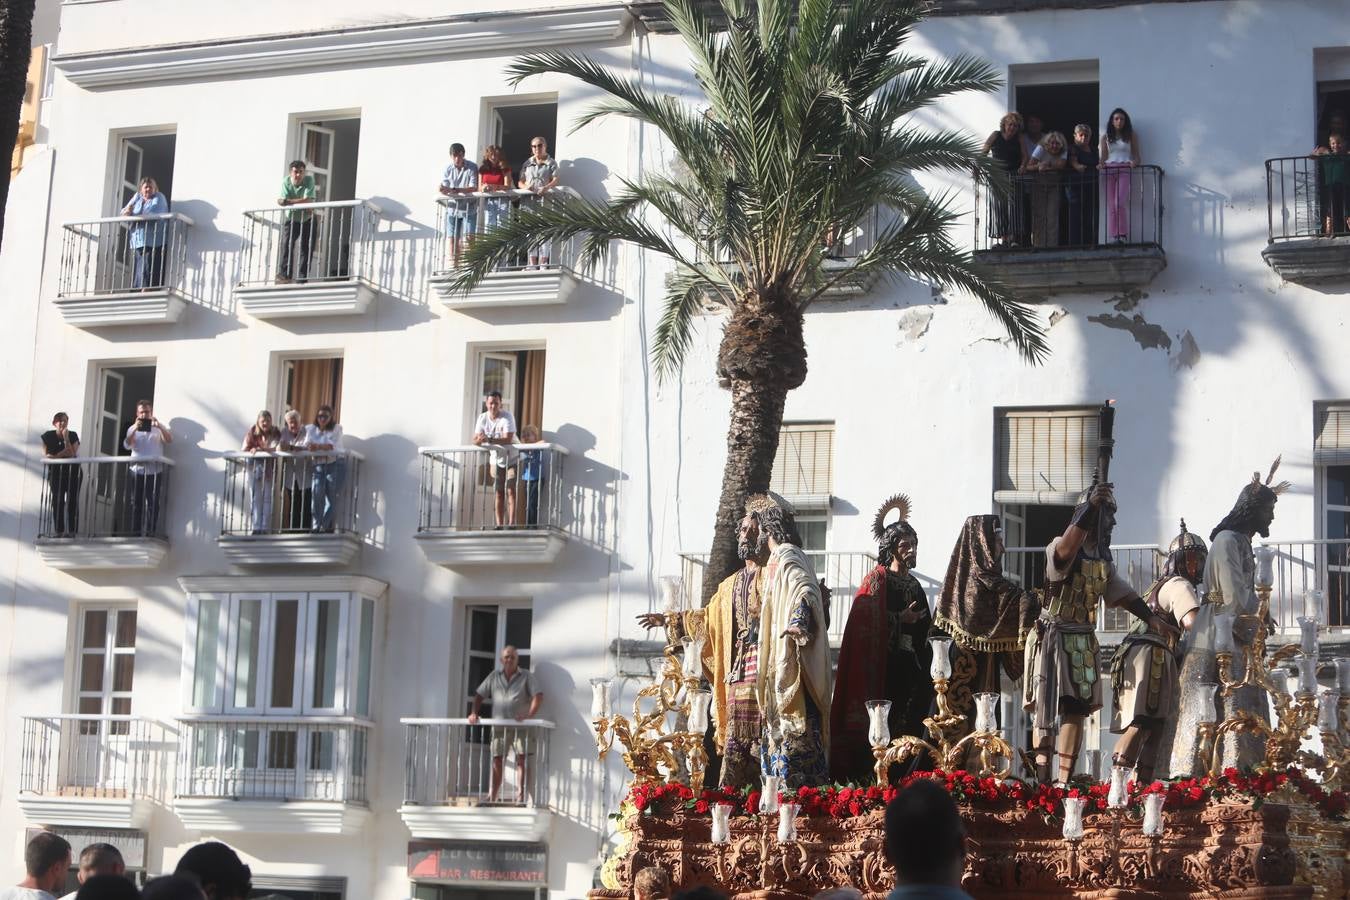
{"points": [[885, 653], [987, 616], [1144, 681], [793, 683], [1063, 685], [1230, 586]]}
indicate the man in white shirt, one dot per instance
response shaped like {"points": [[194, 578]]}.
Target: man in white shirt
{"points": [[497, 428], [46, 859], [145, 439], [98, 859]]}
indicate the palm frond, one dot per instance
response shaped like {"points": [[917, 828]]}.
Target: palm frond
{"points": [[674, 331]]}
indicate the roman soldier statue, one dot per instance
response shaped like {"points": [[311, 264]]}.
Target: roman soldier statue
{"points": [[885, 653], [1144, 680]]}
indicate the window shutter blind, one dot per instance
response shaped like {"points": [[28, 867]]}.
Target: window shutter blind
{"points": [[802, 470], [1045, 456], [1331, 446]]}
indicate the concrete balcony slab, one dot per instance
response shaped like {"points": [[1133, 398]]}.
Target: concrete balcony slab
{"points": [[500, 290], [1033, 274], [290, 549], [1310, 260], [76, 809], [477, 823], [314, 298], [150, 307], [69, 554], [484, 548], [211, 814]]}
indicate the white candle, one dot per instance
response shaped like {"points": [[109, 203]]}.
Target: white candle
{"points": [[1223, 633], [1118, 796], [721, 822], [787, 823], [1153, 814], [1265, 566], [1073, 818], [878, 722], [942, 665], [599, 698], [699, 702], [1327, 714]]}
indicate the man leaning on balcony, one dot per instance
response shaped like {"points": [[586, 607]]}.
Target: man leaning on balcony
{"points": [[296, 188], [513, 694], [461, 221]]}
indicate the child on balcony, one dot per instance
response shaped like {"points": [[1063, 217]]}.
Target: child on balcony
{"points": [[532, 474]]}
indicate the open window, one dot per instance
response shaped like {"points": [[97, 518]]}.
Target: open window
{"points": [[308, 382], [141, 155], [802, 474], [512, 122], [490, 628], [330, 147], [1330, 563], [119, 386], [518, 375]]}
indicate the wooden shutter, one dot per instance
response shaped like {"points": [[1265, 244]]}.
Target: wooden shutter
{"points": [[803, 468], [1331, 443], [1045, 456]]}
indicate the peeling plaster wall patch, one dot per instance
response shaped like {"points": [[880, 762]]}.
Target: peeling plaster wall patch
{"points": [[1056, 314], [914, 323], [1188, 354], [1145, 334]]}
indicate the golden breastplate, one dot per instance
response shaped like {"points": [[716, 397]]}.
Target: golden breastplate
{"points": [[1076, 602]]}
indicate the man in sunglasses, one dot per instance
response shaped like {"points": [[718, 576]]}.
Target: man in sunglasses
{"points": [[537, 175]]}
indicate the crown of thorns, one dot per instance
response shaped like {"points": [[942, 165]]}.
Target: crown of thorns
{"points": [[758, 503], [899, 502]]}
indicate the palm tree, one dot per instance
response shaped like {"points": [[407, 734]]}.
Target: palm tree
{"points": [[16, 48], [802, 136]]}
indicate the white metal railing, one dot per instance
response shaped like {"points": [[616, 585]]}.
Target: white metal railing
{"points": [[290, 492], [122, 254], [329, 241], [1139, 564], [82, 755], [459, 216], [461, 486], [1306, 565], [451, 762], [104, 496], [843, 573], [274, 758]]}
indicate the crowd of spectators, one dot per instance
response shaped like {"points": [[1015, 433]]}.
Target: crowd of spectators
{"points": [[207, 871], [472, 182]]}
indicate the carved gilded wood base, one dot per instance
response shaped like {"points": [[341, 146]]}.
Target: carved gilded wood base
{"points": [[1275, 851]]}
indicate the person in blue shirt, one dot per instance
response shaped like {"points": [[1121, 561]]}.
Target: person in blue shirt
{"points": [[147, 238], [531, 474]]}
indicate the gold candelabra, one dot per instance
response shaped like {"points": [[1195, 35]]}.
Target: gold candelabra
{"points": [[651, 741]]}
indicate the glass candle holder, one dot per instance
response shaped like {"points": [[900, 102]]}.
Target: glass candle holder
{"points": [[1153, 814], [1073, 818], [1118, 795], [787, 822], [1342, 665], [1327, 710], [1307, 639], [986, 715], [599, 698], [768, 796], [1223, 632], [1206, 714], [878, 722], [699, 701], [1279, 681], [693, 656], [1314, 604], [942, 664], [672, 593], [721, 822], [1307, 674], [1265, 566]]}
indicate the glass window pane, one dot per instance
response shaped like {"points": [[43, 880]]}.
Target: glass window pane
{"points": [[366, 638], [91, 706], [1338, 485], [813, 533], [524, 661], [518, 628], [205, 661], [326, 650], [123, 664], [91, 672], [480, 667], [126, 628], [1338, 525], [285, 620], [248, 635], [281, 749], [321, 751], [483, 630], [496, 374], [95, 627]]}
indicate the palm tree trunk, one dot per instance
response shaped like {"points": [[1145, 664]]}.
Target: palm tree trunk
{"points": [[16, 47], [752, 443]]}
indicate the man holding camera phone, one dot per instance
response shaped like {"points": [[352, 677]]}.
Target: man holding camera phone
{"points": [[145, 439]]}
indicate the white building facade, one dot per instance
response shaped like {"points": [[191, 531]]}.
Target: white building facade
{"points": [[190, 659]]}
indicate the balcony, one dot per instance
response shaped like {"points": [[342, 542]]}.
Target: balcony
{"points": [[1071, 233], [268, 505], [448, 789], [123, 270], [843, 573], [322, 266], [1307, 205], [273, 774], [516, 283], [95, 771], [457, 517], [104, 512]]}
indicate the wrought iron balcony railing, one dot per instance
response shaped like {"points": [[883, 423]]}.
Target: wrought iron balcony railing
{"points": [[123, 254], [496, 761], [104, 497], [310, 243], [295, 492], [1116, 206]]}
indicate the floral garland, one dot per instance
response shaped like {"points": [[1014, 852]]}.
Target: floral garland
{"points": [[850, 801]]}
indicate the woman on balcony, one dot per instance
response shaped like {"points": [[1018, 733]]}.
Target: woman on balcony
{"points": [[1119, 154], [1048, 161], [1005, 145], [147, 238], [494, 174], [261, 438], [297, 516], [329, 467], [64, 480]]}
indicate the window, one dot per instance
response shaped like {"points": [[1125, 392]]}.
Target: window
{"points": [[511, 123], [148, 154], [307, 381], [119, 386], [518, 375], [280, 887], [1060, 94], [281, 653], [105, 666], [490, 627], [1331, 457], [802, 475]]}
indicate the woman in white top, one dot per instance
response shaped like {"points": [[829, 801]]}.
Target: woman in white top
{"points": [[1048, 161], [329, 469], [261, 438], [1119, 152], [295, 474]]}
